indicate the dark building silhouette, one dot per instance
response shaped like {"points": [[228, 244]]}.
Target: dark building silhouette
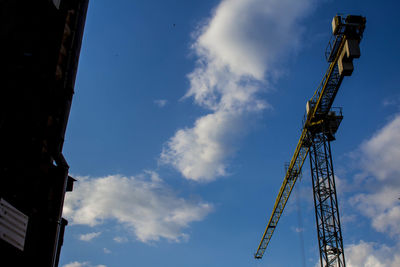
{"points": [[40, 43]]}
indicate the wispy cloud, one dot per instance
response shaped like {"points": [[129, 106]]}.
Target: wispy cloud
{"points": [[82, 264], [143, 204], [106, 251], [392, 101], [161, 102], [89, 236], [120, 239], [297, 229], [239, 50]]}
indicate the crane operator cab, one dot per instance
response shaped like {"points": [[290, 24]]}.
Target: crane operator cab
{"points": [[326, 123]]}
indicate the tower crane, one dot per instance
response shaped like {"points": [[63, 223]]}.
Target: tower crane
{"points": [[320, 124]]}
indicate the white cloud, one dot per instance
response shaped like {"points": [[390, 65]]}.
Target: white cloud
{"points": [[239, 49], [82, 264], [380, 160], [199, 152], [382, 207], [382, 151], [143, 204], [161, 102], [249, 36], [76, 264], [106, 251], [369, 254], [89, 236], [120, 239]]}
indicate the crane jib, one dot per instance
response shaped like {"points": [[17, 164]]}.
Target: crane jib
{"points": [[320, 104]]}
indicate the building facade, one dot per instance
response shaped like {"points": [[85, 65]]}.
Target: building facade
{"points": [[40, 43]]}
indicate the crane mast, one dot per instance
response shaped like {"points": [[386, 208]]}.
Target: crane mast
{"points": [[319, 127]]}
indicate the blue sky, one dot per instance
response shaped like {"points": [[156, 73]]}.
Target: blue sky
{"points": [[185, 113]]}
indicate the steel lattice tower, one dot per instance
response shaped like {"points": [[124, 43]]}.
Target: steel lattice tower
{"points": [[330, 241]]}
